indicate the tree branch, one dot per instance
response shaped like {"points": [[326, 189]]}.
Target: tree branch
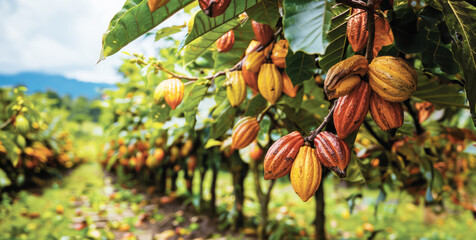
{"points": [[313, 134]]}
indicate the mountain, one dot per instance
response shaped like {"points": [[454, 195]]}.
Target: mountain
{"points": [[40, 82]]}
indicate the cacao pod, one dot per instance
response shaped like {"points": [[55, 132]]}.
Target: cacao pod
{"points": [[250, 78], [159, 154], [425, 109], [281, 155], [156, 4], [235, 88], [268, 50], [344, 76], [173, 93], [263, 32], [22, 124], [351, 110], [270, 82], [288, 87], [392, 78], [253, 61], [244, 132], [279, 53], [159, 92], [252, 47], [383, 34], [306, 173], [174, 154], [387, 115], [357, 29], [225, 43], [186, 148], [214, 8], [256, 153], [332, 152], [191, 163]]}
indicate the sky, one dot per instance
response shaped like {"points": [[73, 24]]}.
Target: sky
{"points": [[63, 37]]}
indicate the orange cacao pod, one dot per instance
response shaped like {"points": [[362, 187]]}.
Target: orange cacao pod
{"points": [[332, 152], [306, 173], [225, 43], [281, 155], [256, 153], [186, 148], [213, 8], [387, 115], [263, 32], [270, 82], [244, 132], [173, 93], [357, 29], [253, 61], [345, 76], [383, 34], [288, 87], [425, 109], [279, 53], [156, 4], [250, 78], [252, 47], [235, 88], [351, 110]]}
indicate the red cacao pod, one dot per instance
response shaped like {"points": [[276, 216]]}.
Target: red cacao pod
{"points": [[281, 155], [225, 43], [263, 32], [306, 173], [214, 8], [351, 110], [332, 152], [256, 153], [244, 132], [251, 78], [387, 115], [357, 30]]}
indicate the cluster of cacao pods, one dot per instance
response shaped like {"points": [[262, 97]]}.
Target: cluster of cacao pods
{"points": [[172, 90]]}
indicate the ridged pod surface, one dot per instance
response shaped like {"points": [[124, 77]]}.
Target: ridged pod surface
{"points": [[214, 8], [351, 110], [332, 152], [251, 78], [387, 115], [244, 132], [383, 34], [225, 43], [159, 92], [392, 78], [280, 50], [281, 155], [263, 32], [156, 4], [306, 173], [345, 76], [173, 93], [270, 82], [357, 30], [253, 61], [288, 87], [235, 88]]}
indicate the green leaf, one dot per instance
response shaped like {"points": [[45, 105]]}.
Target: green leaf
{"points": [[300, 67], [407, 34], [134, 20], [263, 134], [354, 174], [193, 99], [167, 31], [336, 36], [4, 180], [460, 18], [267, 12], [223, 122], [256, 105], [442, 94]]}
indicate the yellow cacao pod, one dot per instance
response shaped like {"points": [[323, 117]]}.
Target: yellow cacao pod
{"points": [[159, 92], [186, 148], [225, 43], [235, 88], [252, 47], [22, 124], [253, 61], [270, 82], [174, 154], [345, 76], [392, 78], [173, 93], [288, 87], [387, 115], [244, 132], [156, 4], [306, 173], [280, 51]]}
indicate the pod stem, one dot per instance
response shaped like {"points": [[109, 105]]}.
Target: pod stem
{"points": [[314, 133]]}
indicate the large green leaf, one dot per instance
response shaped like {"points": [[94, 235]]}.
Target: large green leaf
{"points": [[300, 66], [304, 25], [442, 94], [223, 122], [460, 18], [193, 99], [336, 36], [267, 12], [134, 20], [167, 31], [407, 33]]}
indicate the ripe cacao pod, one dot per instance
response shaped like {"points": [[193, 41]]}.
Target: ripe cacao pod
{"points": [[191, 163], [22, 124], [332, 152], [250, 78], [425, 109], [345, 76], [383, 34], [387, 115], [159, 154], [225, 43], [263, 32], [357, 29], [256, 153], [306, 173], [252, 47], [253, 61], [351, 110], [156, 4], [214, 8], [235, 88], [392, 78], [173, 93], [244, 132], [270, 82], [174, 154], [288, 87], [279, 53], [186, 148], [281, 155]]}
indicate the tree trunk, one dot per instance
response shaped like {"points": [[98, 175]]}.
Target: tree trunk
{"points": [[213, 192], [263, 200], [239, 170], [320, 221], [173, 181], [162, 181]]}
